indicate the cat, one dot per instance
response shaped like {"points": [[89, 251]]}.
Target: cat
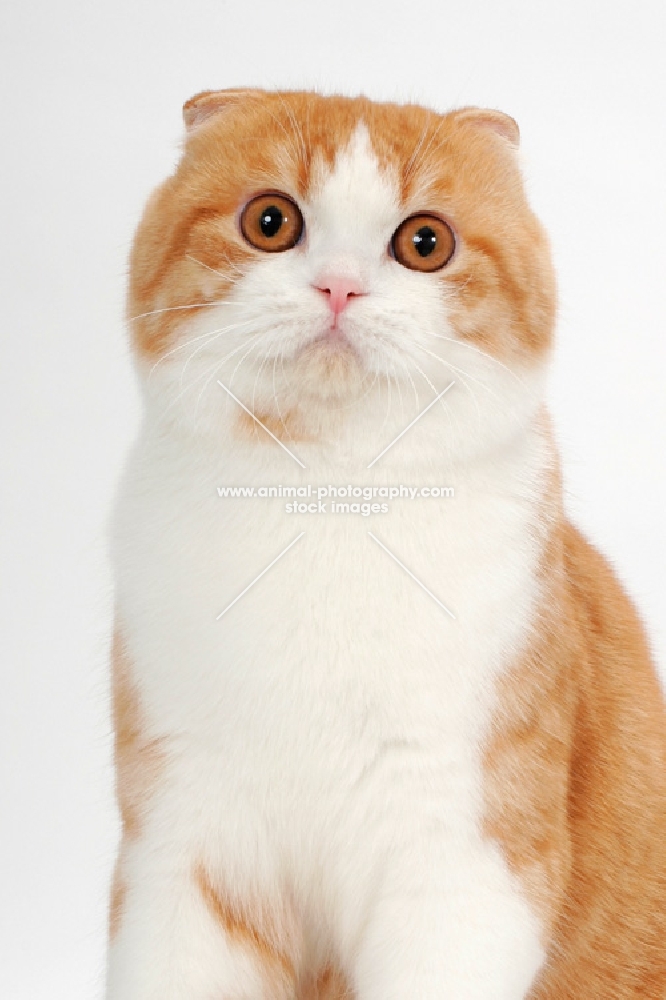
{"points": [[417, 750]]}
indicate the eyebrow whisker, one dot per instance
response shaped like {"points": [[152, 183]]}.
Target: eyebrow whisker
{"points": [[220, 274]]}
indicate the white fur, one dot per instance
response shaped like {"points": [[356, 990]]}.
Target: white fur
{"points": [[325, 735]]}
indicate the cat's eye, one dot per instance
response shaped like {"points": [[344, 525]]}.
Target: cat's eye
{"points": [[423, 243], [271, 222]]}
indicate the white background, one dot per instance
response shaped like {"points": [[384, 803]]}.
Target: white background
{"points": [[90, 122]]}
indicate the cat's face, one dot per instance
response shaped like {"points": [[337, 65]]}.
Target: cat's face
{"points": [[311, 251]]}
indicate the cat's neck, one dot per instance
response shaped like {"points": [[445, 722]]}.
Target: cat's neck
{"points": [[455, 431], [519, 461]]}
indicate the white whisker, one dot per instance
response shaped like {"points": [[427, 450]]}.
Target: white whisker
{"points": [[234, 267], [460, 374], [243, 356], [454, 368], [192, 305], [297, 127], [388, 398], [207, 266], [221, 330], [412, 383], [407, 372], [444, 403], [412, 160], [280, 355], [295, 152], [424, 153], [212, 375], [254, 388], [181, 347], [397, 385], [216, 365], [477, 350]]}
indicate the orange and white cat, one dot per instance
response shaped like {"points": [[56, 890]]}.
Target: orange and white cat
{"points": [[420, 754]]}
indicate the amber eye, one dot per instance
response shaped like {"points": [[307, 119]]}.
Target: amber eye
{"points": [[423, 243], [272, 222]]}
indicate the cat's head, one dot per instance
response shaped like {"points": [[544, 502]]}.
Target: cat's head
{"points": [[311, 252]]}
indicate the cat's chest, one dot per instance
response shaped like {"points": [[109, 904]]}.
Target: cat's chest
{"points": [[246, 618]]}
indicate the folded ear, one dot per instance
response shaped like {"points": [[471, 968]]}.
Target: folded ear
{"points": [[203, 106], [496, 121]]}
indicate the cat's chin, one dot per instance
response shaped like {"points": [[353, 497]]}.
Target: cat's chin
{"points": [[328, 369]]}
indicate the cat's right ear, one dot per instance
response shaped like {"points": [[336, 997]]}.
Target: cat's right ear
{"points": [[485, 118], [203, 106]]}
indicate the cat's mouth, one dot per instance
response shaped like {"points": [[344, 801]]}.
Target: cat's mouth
{"points": [[333, 339]]}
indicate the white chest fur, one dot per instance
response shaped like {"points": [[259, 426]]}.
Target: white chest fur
{"points": [[335, 715]]}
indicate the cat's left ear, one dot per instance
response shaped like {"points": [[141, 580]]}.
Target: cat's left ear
{"points": [[496, 121], [203, 106]]}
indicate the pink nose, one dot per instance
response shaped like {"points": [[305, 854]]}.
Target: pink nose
{"points": [[339, 291]]}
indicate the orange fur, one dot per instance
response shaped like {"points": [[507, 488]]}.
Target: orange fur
{"points": [[273, 942], [138, 760], [527, 756], [117, 900], [329, 984], [238, 927], [286, 427], [138, 764], [576, 780], [610, 933]]}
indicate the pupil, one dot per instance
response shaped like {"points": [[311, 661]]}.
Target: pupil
{"points": [[271, 220], [424, 240]]}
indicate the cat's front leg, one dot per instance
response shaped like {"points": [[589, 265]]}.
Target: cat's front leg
{"points": [[175, 937], [470, 940]]}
